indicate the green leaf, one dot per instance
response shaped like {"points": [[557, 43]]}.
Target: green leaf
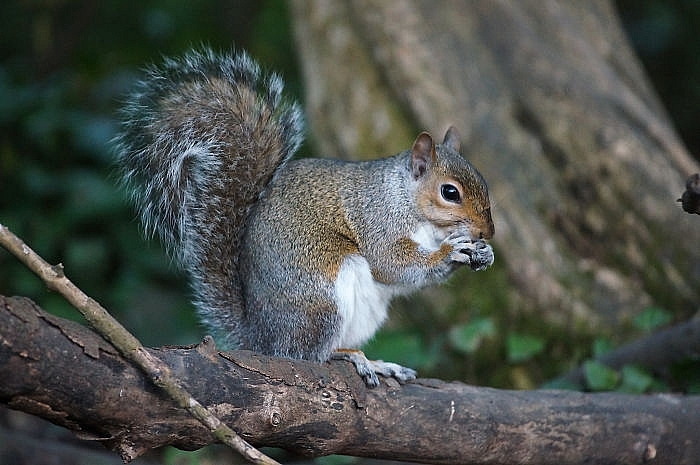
{"points": [[402, 347], [468, 337], [336, 460], [601, 346], [635, 380], [600, 377], [651, 318], [173, 456], [522, 347], [561, 384]]}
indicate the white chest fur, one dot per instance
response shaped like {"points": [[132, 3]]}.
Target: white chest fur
{"points": [[428, 237], [362, 302]]}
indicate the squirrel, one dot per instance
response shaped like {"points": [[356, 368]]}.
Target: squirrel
{"points": [[290, 258]]}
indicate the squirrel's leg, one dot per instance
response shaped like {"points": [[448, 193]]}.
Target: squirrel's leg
{"points": [[368, 369]]}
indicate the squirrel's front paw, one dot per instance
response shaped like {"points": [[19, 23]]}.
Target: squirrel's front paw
{"points": [[460, 244], [475, 253], [481, 255]]}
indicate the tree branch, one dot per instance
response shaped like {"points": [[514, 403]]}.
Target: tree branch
{"points": [[66, 373], [128, 345], [690, 199], [657, 352]]}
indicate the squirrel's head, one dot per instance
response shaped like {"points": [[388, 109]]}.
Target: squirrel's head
{"points": [[451, 193]]}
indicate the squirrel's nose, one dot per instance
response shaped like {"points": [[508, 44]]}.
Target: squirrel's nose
{"points": [[487, 232]]}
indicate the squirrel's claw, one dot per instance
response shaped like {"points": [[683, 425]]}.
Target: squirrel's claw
{"points": [[475, 253], [393, 370], [368, 369], [481, 256], [461, 245]]}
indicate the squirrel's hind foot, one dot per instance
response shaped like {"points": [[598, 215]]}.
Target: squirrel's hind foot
{"points": [[368, 369]]}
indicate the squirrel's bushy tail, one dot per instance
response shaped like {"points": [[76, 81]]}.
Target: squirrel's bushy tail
{"points": [[202, 136]]}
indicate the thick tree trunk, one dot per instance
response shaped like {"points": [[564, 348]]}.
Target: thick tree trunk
{"points": [[61, 371], [583, 166]]}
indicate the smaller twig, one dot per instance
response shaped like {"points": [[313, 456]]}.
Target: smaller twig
{"points": [[655, 352], [690, 199], [127, 344]]}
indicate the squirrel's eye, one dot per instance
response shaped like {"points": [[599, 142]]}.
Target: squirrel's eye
{"points": [[450, 193]]}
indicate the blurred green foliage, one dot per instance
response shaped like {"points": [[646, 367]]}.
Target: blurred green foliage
{"points": [[599, 377], [64, 67], [652, 318], [631, 378]]}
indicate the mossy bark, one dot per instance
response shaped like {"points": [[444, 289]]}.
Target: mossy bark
{"points": [[583, 165]]}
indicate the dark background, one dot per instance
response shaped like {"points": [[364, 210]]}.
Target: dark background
{"points": [[64, 66]]}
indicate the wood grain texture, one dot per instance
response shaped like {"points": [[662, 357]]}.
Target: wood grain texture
{"points": [[64, 372]]}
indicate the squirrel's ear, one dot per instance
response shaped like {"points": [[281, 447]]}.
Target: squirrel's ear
{"points": [[422, 154], [452, 139]]}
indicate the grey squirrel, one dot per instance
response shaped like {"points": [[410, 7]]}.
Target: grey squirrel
{"points": [[299, 258]]}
